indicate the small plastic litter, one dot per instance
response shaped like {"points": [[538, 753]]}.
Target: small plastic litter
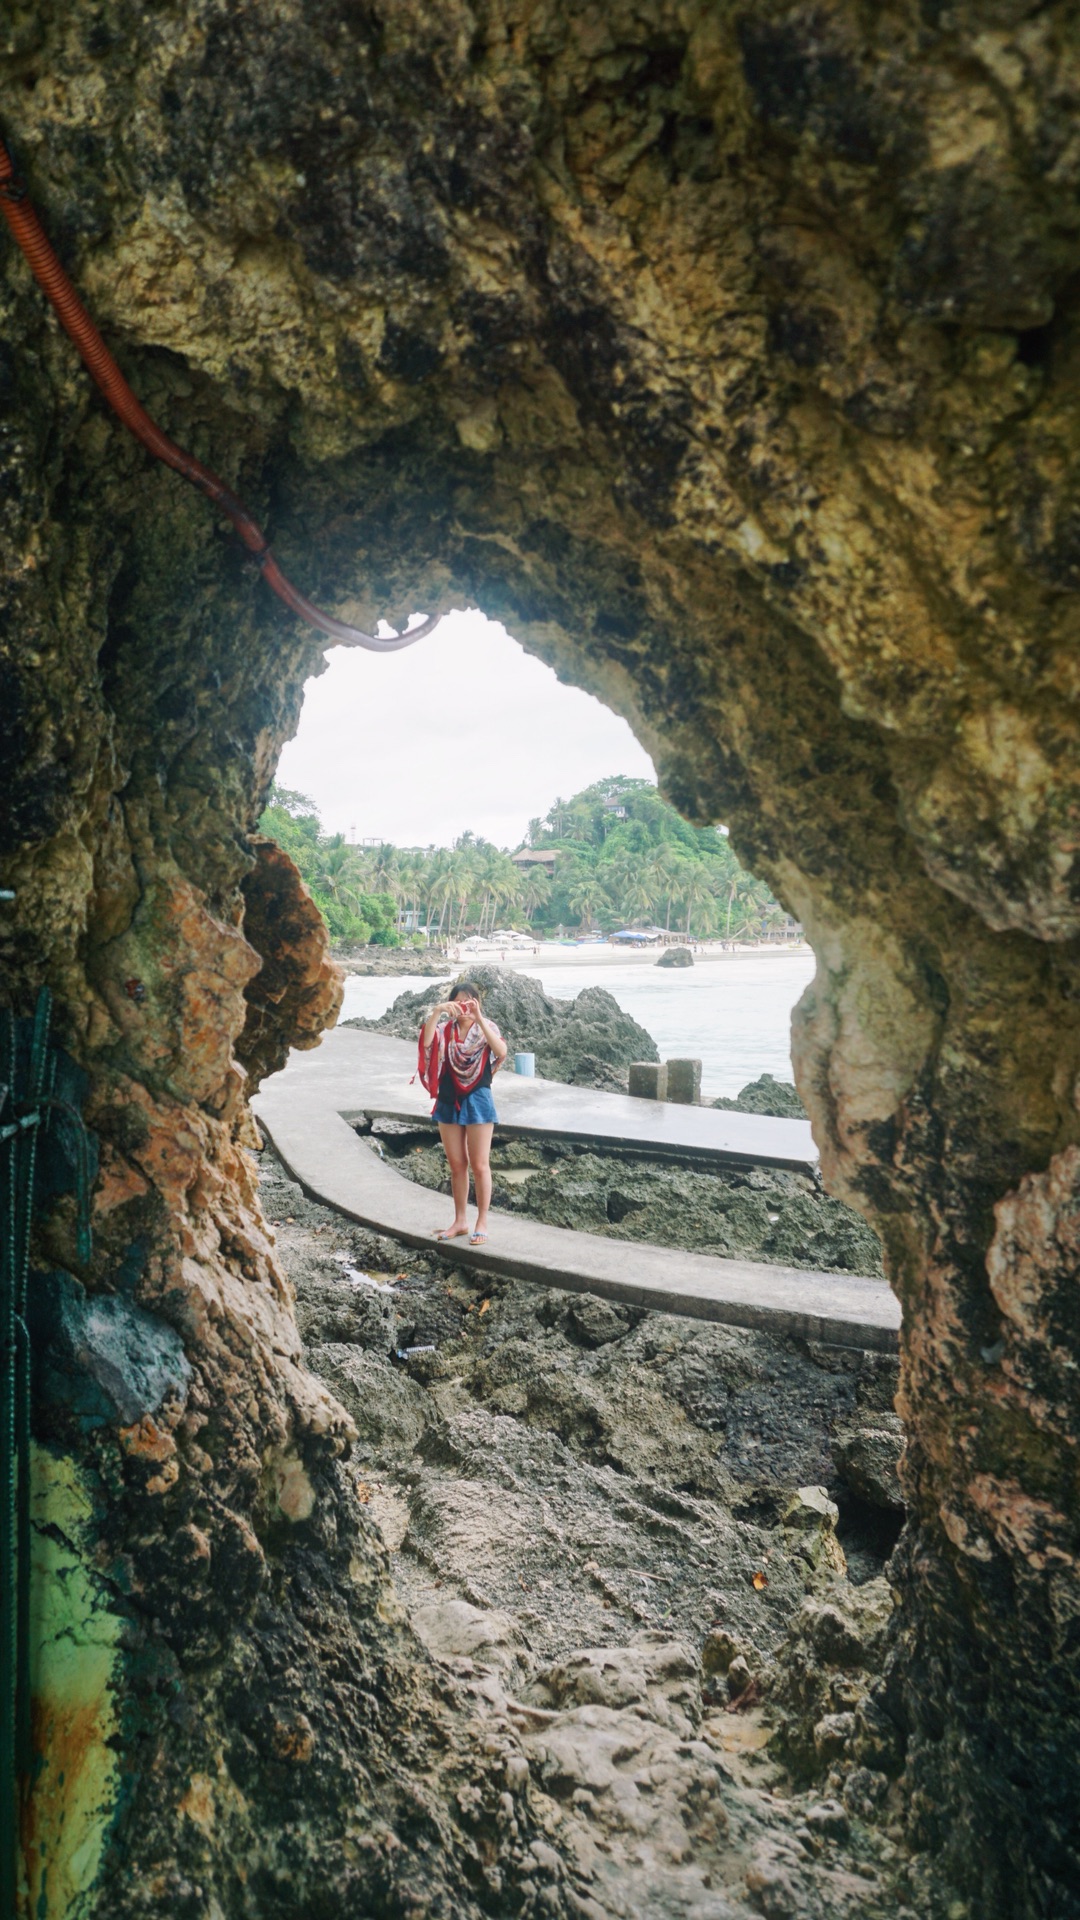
{"points": [[406, 1353]]}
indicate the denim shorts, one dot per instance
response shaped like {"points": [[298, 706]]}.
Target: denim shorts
{"points": [[475, 1109]]}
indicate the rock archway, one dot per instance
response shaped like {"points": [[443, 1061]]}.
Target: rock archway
{"points": [[729, 355]]}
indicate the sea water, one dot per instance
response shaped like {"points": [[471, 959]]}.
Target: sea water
{"points": [[733, 1014]]}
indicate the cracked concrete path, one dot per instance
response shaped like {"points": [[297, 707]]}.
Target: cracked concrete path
{"points": [[307, 1108]]}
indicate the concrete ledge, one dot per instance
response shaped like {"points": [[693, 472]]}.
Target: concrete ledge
{"points": [[324, 1155], [360, 1072]]}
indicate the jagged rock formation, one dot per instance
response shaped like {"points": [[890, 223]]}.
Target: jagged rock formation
{"points": [[588, 1041], [296, 994], [729, 354], [766, 1095]]}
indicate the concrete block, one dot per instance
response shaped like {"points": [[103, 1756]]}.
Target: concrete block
{"points": [[648, 1079], [684, 1082]]}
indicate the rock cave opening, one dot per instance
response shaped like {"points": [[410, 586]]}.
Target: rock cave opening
{"points": [[468, 720], [707, 348]]}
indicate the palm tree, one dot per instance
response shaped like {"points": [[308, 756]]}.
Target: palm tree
{"points": [[440, 886], [742, 895], [334, 871], [584, 895], [535, 890], [695, 891], [665, 870], [493, 878], [385, 869], [504, 882], [463, 868], [621, 873], [410, 879], [639, 897]]}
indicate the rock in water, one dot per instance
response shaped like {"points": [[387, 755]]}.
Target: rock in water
{"points": [[586, 1042], [765, 1095], [676, 957]]}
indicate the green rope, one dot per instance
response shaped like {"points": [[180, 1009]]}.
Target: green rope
{"points": [[40, 1068], [9, 1360], [25, 1110]]}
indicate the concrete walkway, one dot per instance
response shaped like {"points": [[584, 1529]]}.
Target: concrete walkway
{"points": [[305, 1110], [371, 1073]]}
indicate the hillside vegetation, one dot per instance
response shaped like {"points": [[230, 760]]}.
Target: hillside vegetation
{"points": [[622, 855]]}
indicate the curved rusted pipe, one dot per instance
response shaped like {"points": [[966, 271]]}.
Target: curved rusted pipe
{"points": [[30, 235]]}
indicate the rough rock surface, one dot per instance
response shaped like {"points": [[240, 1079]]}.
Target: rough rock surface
{"points": [[760, 1214], [766, 1095], [869, 1458], [585, 1042], [576, 1500], [419, 963], [728, 354], [296, 994]]}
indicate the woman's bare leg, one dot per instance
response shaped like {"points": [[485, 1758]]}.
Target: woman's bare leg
{"points": [[479, 1146], [453, 1139]]}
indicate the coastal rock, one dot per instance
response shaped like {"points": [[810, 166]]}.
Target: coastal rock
{"points": [[585, 1042], [296, 994], [766, 1095], [656, 1674], [571, 1527], [726, 356], [676, 957], [595, 1321], [453, 1630], [389, 1410], [760, 1214], [420, 963], [97, 1359], [867, 1455], [829, 1663], [810, 1517]]}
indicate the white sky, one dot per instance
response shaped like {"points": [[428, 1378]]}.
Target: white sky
{"points": [[463, 730]]}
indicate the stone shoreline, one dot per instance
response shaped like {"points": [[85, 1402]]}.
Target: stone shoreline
{"points": [[432, 962]]}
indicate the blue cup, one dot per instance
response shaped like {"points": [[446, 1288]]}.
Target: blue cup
{"points": [[525, 1063]]}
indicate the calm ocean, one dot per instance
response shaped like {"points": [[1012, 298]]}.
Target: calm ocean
{"points": [[733, 1014]]}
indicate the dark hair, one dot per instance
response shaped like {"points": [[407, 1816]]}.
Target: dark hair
{"points": [[468, 990]]}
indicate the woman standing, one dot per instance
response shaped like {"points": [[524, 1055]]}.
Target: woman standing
{"points": [[460, 1050]]}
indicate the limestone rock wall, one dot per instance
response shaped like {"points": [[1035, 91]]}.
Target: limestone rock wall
{"points": [[729, 354], [297, 993]]}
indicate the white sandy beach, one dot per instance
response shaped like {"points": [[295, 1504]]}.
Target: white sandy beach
{"points": [[552, 953]]}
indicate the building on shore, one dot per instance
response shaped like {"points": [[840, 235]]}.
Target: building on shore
{"points": [[527, 857]]}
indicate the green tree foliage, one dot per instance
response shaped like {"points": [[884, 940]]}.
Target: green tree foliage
{"points": [[343, 879], [622, 855]]}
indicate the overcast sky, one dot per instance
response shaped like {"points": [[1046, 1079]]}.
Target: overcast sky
{"points": [[463, 730]]}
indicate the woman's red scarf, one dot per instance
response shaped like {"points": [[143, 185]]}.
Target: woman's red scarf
{"points": [[465, 1058]]}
